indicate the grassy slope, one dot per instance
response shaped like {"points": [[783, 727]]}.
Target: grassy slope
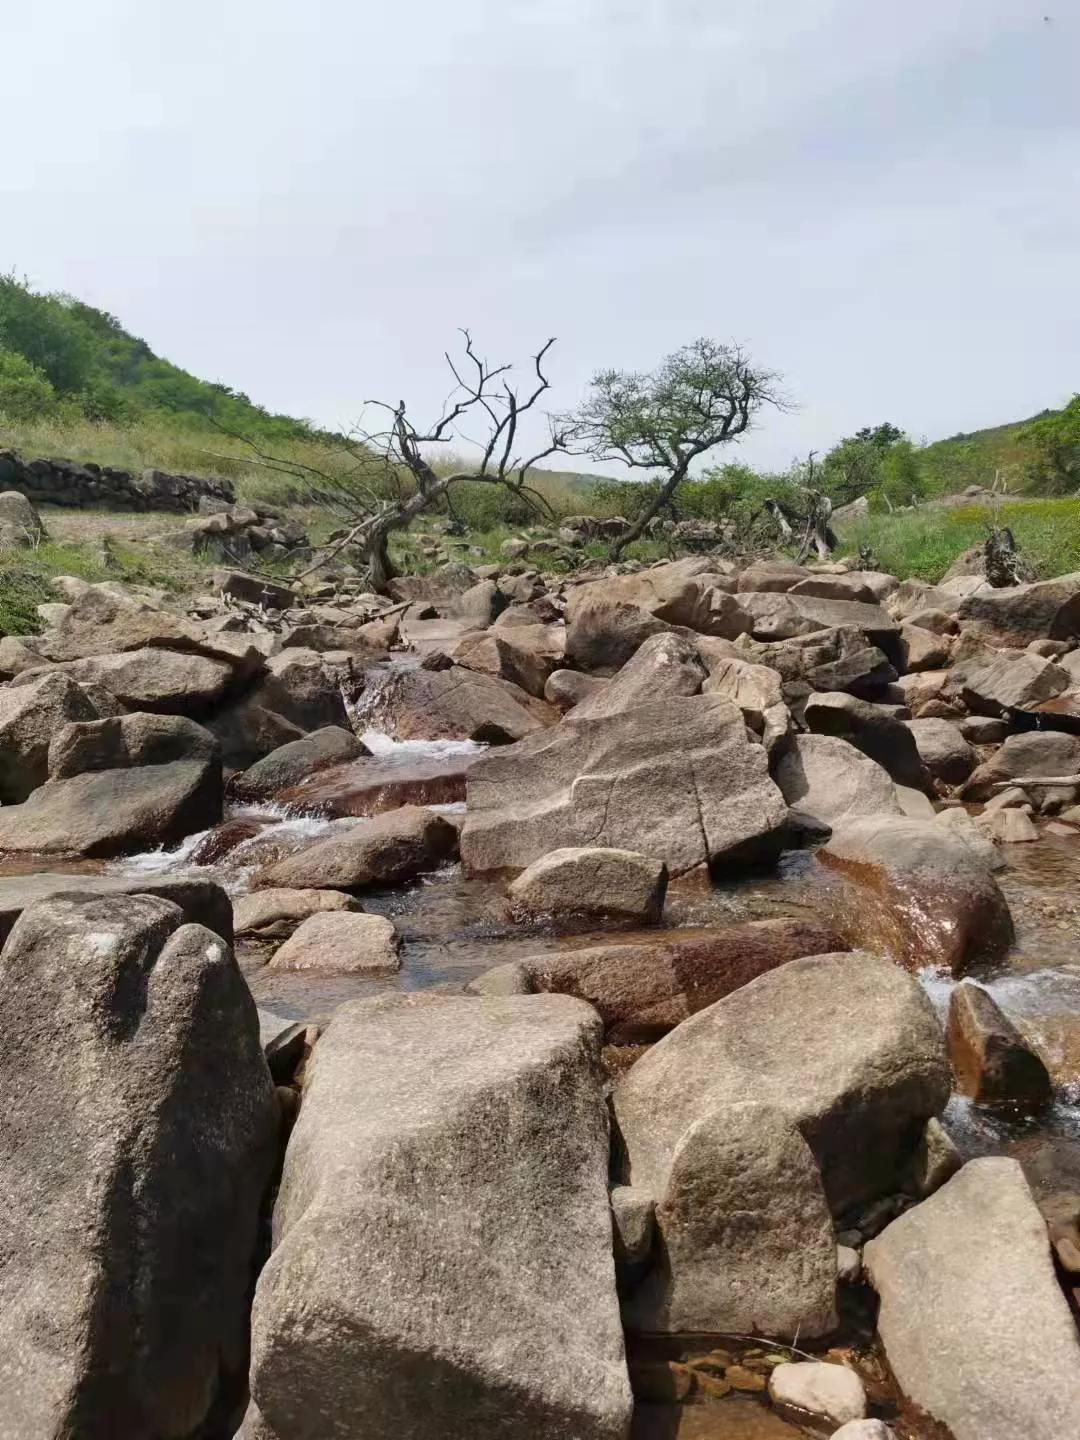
{"points": [[976, 459], [924, 543]]}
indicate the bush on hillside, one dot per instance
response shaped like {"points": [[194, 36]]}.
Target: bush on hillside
{"points": [[25, 391]]}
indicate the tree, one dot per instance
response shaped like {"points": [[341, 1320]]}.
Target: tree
{"points": [[699, 397], [25, 392], [1053, 441], [877, 459], [393, 477]]}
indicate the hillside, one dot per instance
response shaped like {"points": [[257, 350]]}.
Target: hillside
{"points": [[975, 458]]}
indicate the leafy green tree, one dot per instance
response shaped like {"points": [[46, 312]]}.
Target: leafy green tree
{"points": [[25, 392], [1053, 443], [876, 461], [663, 421], [45, 330]]}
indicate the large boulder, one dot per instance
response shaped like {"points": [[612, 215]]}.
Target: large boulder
{"points": [[168, 682], [30, 715], [442, 1259], [247, 731], [1048, 609], [20, 523], [642, 986], [974, 1325], [454, 704], [386, 850], [589, 881], [525, 655], [663, 665], [827, 780], [747, 1237], [140, 1133], [847, 1045], [871, 729], [342, 942], [1047, 754], [128, 783], [943, 750], [835, 659], [918, 891], [296, 761], [274, 914], [677, 780], [1013, 682], [301, 686], [202, 902], [602, 634]]}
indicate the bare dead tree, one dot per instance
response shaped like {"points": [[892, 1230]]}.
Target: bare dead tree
{"points": [[699, 397], [393, 477]]}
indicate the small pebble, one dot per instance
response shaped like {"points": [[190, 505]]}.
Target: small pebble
{"points": [[848, 1265], [739, 1378]]}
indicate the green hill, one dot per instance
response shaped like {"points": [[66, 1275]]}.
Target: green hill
{"points": [[979, 456]]}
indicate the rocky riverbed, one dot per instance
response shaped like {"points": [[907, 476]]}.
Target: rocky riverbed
{"points": [[640, 1004]]}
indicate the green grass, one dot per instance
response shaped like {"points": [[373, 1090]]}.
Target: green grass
{"points": [[924, 543]]}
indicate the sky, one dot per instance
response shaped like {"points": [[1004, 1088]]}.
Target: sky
{"points": [[306, 200]]}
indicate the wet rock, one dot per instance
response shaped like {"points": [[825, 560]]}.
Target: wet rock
{"points": [[588, 881], [643, 986], [524, 655], [943, 750], [811, 1390], [1008, 827], [745, 1231], [1048, 609], [677, 780], [871, 729], [372, 784], [992, 1062], [140, 1133], [443, 1218], [847, 1045], [457, 704], [1013, 682], [342, 942], [920, 892], [30, 715], [386, 850], [974, 1326], [294, 762], [119, 785], [566, 688], [828, 780], [268, 914]]}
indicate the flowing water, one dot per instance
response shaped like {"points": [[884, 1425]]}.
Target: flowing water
{"points": [[453, 929]]}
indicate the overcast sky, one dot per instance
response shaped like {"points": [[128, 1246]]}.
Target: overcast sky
{"points": [[304, 200]]}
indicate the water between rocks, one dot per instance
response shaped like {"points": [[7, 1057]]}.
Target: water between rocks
{"points": [[453, 929]]}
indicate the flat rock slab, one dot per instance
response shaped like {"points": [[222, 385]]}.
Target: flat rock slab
{"points": [[381, 782], [974, 1324], [442, 1259], [678, 781], [342, 942]]}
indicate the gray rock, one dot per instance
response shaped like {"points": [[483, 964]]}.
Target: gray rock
{"points": [[30, 715], [974, 1326], [442, 1261], [300, 686], [864, 1430], [678, 781], [456, 704], [870, 729], [828, 780], [633, 1218], [524, 655], [1032, 753], [663, 665], [746, 1237], [341, 942], [588, 881], [385, 850], [140, 1132], [1048, 609], [566, 688], [268, 914], [920, 892], [119, 785], [202, 902], [168, 682], [1013, 682], [935, 1161], [20, 524], [943, 750], [292, 763], [847, 1045]]}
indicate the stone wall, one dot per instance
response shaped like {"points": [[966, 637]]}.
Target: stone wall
{"points": [[65, 482]]}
